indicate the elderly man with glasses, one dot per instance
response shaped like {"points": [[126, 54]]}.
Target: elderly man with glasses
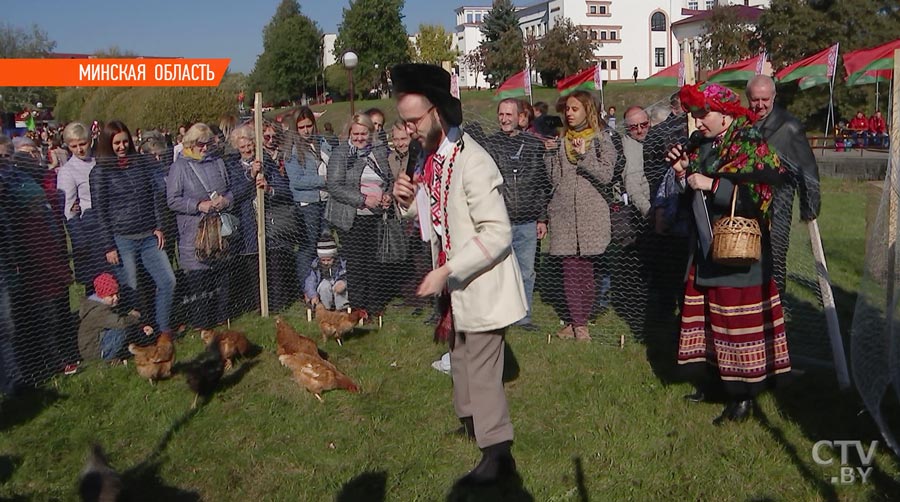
{"points": [[637, 125]]}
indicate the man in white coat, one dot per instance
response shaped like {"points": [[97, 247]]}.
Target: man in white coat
{"points": [[461, 208]]}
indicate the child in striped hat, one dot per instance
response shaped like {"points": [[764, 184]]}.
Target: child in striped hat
{"points": [[327, 279]]}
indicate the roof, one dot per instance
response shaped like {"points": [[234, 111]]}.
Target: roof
{"points": [[751, 14], [73, 55]]}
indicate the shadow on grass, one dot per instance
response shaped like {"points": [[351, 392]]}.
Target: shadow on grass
{"points": [[24, 407], [368, 486], [579, 480], [510, 489], [8, 466], [144, 482]]}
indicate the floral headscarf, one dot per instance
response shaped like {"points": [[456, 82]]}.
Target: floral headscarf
{"points": [[710, 97]]}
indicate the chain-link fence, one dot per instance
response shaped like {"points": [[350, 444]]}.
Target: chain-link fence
{"points": [[174, 226]]}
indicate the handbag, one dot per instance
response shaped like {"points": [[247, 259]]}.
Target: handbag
{"points": [[737, 241], [228, 222], [623, 223], [209, 243], [392, 241]]}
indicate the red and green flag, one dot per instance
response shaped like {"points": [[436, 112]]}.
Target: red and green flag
{"points": [[669, 77], [865, 66], [812, 71], [587, 80], [514, 87], [742, 71]]}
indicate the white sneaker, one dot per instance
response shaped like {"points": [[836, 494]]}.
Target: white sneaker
{"points": [[442, 364]]}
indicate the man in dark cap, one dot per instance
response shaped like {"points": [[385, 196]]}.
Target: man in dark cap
{"points": [[460, 207]]}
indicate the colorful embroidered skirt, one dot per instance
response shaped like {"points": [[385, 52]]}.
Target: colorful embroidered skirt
{"points": [[739, 331]]}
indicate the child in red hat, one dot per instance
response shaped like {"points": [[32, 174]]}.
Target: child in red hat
{"points": [[102, 332]]}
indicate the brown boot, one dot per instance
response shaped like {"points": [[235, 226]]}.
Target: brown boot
{"points": [[566, 333], [582, 334]]}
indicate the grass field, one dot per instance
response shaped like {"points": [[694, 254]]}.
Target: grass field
{"points": [[592, 422]]}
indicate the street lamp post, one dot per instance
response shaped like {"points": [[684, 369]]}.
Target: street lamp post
{"points": [[350, 60]]}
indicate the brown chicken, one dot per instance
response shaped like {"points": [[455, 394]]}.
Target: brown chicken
{"points": [[154, 362], [338, 323], [290, 342], [316, 375], [231, 344]]}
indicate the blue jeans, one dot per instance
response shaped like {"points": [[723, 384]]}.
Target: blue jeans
{"points": [[112, 343], [157, 265], [524, 243], [311, 227]]}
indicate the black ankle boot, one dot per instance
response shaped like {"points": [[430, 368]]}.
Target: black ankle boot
{"points": [[697, 397], [496, 462], [726, 413], [467, 429], [742, 409]]}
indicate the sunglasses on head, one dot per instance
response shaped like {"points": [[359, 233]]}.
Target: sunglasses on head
{"points": [[641, 125]]}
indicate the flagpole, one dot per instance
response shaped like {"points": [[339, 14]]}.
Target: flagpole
{"points": [[830, 120]]}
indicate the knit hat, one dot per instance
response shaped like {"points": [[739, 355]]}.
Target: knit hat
{"points": [[105, 285], [326, 246]]}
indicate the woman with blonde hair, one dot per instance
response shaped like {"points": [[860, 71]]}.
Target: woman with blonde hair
{"points": [[197, 185], [578, 212], [359, 184]]}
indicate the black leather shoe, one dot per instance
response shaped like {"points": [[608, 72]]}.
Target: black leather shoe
{"points": [[726, 413], [741, 410], [697, 397], [496, 462], [467, 429]]}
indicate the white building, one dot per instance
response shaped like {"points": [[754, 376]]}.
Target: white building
{"points": [[328, 57], [630, 33]]}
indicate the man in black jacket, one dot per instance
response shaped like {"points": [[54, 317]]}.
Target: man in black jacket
{"points": [[787, 137], [526, 186]]}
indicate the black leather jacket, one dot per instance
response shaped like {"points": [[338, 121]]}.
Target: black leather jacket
{"points": [[526, 184]]}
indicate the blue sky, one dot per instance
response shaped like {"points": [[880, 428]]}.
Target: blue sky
{"points": [[192, 28]]}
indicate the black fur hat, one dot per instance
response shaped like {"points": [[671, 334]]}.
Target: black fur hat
{"points": [[430, 81]]}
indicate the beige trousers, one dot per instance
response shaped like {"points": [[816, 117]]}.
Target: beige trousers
{"points": [[476, 363]]}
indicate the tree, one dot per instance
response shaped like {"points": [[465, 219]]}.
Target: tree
{"points": [[728, 38], [503, 43], [114, 51], [564, 50], [433, 45], [17, 42], [794, 29], [374, 30], [473, 61], [291, 58]]}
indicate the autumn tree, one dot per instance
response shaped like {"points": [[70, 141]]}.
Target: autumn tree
{"points": [[564, 50], [18, 42], [374, 30], [292, 54], [473, 61], [504, 51], [433, 45], [727, 39]]}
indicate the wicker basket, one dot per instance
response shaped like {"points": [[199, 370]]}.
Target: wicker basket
{"points": [[737, 241]]}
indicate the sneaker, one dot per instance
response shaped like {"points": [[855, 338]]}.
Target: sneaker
{"points": [[582, 334], [71, 369], [566, 332], [442, 364]]}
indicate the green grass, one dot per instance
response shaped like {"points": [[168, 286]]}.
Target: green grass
{"points": [[617, 413]]}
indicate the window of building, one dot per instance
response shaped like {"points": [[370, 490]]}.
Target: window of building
{"points": [[593, 9], [478, 17], [603, 9], [710, 4], [612, 35], [470, 18], [613, 64], [602, 64], [602, 35], [593, 35], [659, 54], [658, 22], [693, 4]]}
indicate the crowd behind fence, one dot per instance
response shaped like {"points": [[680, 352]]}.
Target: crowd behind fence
{"points": [[168, 225]]}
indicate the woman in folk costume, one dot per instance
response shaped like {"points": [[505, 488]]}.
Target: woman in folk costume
{"points": [[731, 317]]}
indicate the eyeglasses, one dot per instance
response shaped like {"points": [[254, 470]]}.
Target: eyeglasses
{"points": [[413, 124], [641, 125], [268, 137]]}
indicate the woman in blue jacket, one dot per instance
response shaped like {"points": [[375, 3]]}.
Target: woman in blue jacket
{"points": [[130, 213]]}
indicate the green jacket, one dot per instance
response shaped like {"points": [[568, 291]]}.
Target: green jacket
{"points": [[95, 317]]}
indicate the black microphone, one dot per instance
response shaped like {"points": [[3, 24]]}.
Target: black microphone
{"points": [[412, 159], [693, 143]]}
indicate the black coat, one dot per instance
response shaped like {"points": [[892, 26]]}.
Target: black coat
{"points": [[526, 183]]}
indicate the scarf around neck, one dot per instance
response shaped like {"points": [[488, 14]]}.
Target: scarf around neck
{"points": [[585, 133]]}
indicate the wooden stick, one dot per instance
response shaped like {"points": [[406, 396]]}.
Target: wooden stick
{"points": [[893, 165], [834, 329], [261, 211]]}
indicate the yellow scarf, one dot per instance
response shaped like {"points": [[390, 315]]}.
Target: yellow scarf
{"points": [[586, 134], [189, 153]]}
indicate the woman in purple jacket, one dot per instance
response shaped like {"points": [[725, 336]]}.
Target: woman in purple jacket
{"points": [[197, 185], [130, 214]]}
